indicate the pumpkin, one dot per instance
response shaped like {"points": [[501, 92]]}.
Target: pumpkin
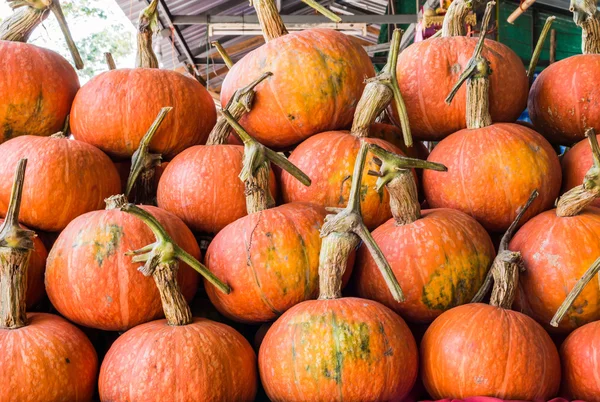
{"points": [[318, 76], [91, 281], [575, 164], [439, 256], [180, 358], [54, 360], [104, 115], [80, 174], [579, 356]]}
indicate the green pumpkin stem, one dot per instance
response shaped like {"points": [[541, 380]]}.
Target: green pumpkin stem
{"points": [[239, 104], [575, 292], [64, 27], [342, 233], [147, 26], [27, 15], [538, 48], [110, 61], [223, 53], [505, 256], [323, 11], [143, 166], [396, 175], [454, 20], [270, 21], [587, 17], [16, 245], [578, 198]]}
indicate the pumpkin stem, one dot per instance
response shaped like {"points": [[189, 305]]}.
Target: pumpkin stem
{"points": [[538, 48], [575, 292], [578, 198], [165, 250], [342, 233], [67, 126], [255, 170], [110, 61], [586, 16], [147, 26], [223, 53], [396, 175], [143, 165], [505, 256], [271, 24], [378, 94], [454, 21], [27, 15], [323, 11], [476, 74], [64, 27], [15, 249], [239, 104]]}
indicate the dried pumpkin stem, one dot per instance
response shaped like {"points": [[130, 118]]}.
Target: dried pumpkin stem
{"points": [[223, 53], [110, 61], [586, 16], [27, 15], [239, 104], [147, 26], [578, 198], [538, 47], [140, 188], [16, 245], [64, 27], [323, 11], [396, 175], [67, 127], [271, 24], [165, 250], [575, 292], [341, 234], [505, 256], [454, 21]]}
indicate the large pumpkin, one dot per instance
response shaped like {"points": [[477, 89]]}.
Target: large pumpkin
{"points": [[91, 281], [575, 164], [580, 357], [65, 178]]}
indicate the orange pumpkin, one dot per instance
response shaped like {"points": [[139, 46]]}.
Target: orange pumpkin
{"points": [[580, 357], [575, 164]]}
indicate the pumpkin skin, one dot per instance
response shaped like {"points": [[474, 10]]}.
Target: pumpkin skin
{"points": [[428, 70], [270, 259], [564, 99], [81, 174], [346, 349], [35, 100], [440, 261], [492, 172], [157, 362], [478, 349], [91, 281], [580, 357], [104, 115], [318, 78], [557, 251], [328, 159], [48, 360], [214, 169], [575, 164]]}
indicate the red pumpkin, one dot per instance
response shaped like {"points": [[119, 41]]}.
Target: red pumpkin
{"points": [[36, 99], [65, 178], [575, 164], [91, 281], [580, 356]]}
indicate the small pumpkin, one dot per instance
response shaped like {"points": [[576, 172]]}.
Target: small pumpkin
{"points": [[579, 356]]}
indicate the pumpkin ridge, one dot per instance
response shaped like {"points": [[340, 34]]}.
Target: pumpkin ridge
{"points": [[307, 293]]}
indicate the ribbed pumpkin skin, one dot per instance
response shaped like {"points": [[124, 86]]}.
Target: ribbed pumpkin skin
{"points": [[575, 164], [557, 251], [270, 259], [202, 187], [48, 360], [492, 172], [37, 87], [318, 78], [204, 360], [428, 70], [440, 262], [64, 179], [482, 350], [114, 110], [580, 355], [564, 99], [91, 281], [328, 159], [345, 349]]}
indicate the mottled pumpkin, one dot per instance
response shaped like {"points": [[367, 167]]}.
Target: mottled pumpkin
{"points": [[575, 164], [346, 349], [37, 87], [478, 349], [91, 281], [105, 116], [318, 78], [580, 356], [203, 360]]}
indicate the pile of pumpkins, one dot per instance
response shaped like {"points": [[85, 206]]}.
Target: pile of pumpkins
{"points": [[306, 187]]}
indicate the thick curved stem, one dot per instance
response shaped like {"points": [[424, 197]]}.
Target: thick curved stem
{"points": [[575, 292], [64, 27], [538, 48], [147, 26], [110, 61], [323, 11], [506, 279], [226, 59], [454, 21], [271, 24], [24, 20], [586, 16]]}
